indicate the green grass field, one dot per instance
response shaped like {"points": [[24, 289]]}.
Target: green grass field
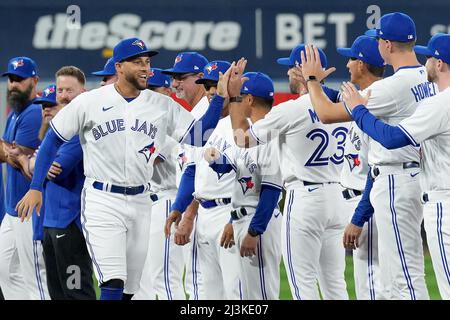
{"points": [[285, 293]]}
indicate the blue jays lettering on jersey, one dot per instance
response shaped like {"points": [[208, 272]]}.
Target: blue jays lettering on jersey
{"points": [[63, 194], [23, 128], [351, 158]]}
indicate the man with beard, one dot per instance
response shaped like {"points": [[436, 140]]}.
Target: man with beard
{"points": [[122, 126], [22, 271]]}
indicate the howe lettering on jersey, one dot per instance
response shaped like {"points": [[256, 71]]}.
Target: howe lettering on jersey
{"points": [[117, 125], [423, 90]]}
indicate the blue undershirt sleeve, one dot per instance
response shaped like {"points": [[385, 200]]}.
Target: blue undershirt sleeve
{"points": [[390, 137], [206, 123], [364, 210], [185, 190], [69, 158], [46, 155], [268, 200]]}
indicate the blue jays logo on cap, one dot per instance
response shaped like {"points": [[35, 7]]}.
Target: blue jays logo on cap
{"points": [[188, 62], [295, 57], [23, 67], [364, 48], [353, 161], [139, 43], [258, 84], [212, 69], [148, 150], [157, 79], [438, 47], [129, 48], [48, 96], [246, 184]]}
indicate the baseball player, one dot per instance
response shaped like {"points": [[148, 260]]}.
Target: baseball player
{"points": [[22, 270], [396, 190], [212, 192], [163, 271], [186, 70], [429, 126], [121, 127], [311, 160], [257, 187], [108, 73], [365, 66]]}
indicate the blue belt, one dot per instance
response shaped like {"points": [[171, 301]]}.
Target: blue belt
{"points": [[130, 191], [154, 197], [214, 203]]}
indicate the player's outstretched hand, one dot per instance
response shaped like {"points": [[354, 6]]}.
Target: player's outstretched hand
{"points": [[54, 170], [222, 85], [174, 217], [352, 97], [31, 200], [311, 65], [236, 79], [248, 246], [351, 236], [211, 154], [227, 240]]}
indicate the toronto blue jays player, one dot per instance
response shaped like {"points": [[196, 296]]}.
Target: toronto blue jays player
{"points": [[365, 66], [429, 126], [162, 277], [127, 123], [108, 73], [22, 270], [311, 161], [396, 191], [257, 187]]}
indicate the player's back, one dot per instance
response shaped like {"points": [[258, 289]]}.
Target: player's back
{"points": [[310, 150], [393, 99]]}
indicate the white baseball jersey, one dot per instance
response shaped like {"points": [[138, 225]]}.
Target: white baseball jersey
{"points": [[393, 99], [430, 126], [121, 139], [310, 150], [355, 168], [254, 167], [209, 184], [184, 152], [164, 173]]}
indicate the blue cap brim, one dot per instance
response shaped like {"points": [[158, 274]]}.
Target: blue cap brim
{"points": [[346, 52], [371, 33], [423, 50], [174, 71], [44, 100], [102, 73], [203, 80], [17, 73], [284, 61], [149, 53]]}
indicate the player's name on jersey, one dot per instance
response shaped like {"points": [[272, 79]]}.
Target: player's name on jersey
{"points": [[117, 125]]}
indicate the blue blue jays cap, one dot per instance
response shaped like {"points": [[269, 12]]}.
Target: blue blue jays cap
{"points": [[23, 67], [295, 58], [395, 26], [438, 47], [108, 70], [188, 62], [48, 96], [157, 79], [364, 48], [212, 69], [258, 85], [129, 48]]}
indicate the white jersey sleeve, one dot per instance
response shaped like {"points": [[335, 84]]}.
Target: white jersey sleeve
{"points": [[380, 102], [269, 163], [180, 122], [69, 121], [430, 119]]}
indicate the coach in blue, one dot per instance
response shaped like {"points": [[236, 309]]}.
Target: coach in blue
{"points": [[22, 271]]}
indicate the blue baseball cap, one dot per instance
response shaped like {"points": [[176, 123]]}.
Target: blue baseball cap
{"points": [[364, 48], [48, 96], [395, 26], [258, 85], [188, 62], [108, 70], [295, 58], [157, 79], [212, 69], [23, 67], [129, 48], [438, 47]]}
